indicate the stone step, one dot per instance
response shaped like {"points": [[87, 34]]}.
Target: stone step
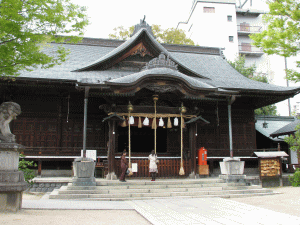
{"points": [[153, 190], [156, 194], [199, 196], [159, 182], [126, 185]]}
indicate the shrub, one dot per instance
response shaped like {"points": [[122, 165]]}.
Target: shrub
{"points": [[295, 178], [28, 173]]}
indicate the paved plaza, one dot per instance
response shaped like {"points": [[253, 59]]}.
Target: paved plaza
{"points": [[282, 208]]}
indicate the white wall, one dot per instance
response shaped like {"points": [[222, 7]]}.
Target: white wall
{"points": [[213, 29]]}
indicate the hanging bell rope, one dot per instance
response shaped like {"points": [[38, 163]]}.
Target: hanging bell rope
{"points": [[182, 110], [155, 99], [130, 109]]}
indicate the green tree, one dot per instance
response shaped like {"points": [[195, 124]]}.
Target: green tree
{"points": [[24, 165], [168, 36], [249, 72], [28, 25], [282, 35], [294, 139]]}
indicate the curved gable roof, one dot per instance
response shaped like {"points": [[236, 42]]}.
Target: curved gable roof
{"points": [[128, 45]]}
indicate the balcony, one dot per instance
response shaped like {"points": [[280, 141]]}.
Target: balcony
{"points": [[249, 50], [245, 29]]}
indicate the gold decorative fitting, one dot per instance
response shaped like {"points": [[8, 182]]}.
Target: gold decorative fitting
{"points": [[130, 107], [155, 98], [182, 109]]}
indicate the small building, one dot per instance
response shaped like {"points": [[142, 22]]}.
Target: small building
{"points": [[289, 129], [178, 98]]}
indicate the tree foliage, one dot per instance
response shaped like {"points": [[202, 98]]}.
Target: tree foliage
{"points": [[249, 72], [24, 165], [168, 36], [28, 25], [294, 139], [282, 35]]}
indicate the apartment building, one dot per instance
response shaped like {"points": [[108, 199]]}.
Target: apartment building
{"points": [[227, 24]]}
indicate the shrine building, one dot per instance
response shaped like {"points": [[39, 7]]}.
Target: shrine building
{"points": [[138, 95]]}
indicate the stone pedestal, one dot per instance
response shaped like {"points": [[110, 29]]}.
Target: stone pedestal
{"points": [[193, 175], [233, 178], [12, 183], [111, 176], [84, 169], [232, 166], [232, 170]]}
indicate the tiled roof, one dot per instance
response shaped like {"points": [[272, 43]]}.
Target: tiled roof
{"points": [[165, 72], [214, 68], [274, 123], [287, 129]]}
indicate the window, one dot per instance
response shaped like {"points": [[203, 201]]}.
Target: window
{"points": [[209, 9], [230, 38], [229, 18]]}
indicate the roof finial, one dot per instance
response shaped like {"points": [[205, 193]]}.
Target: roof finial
{"points": [[143, 24]]}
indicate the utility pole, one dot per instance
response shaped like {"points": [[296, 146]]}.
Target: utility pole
{"points": [[287, 84]]}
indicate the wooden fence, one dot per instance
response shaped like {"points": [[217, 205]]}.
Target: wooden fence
{"points": [[166, 167]]}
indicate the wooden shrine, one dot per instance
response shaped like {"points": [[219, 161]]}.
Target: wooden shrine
{"points": [[84, 104]]}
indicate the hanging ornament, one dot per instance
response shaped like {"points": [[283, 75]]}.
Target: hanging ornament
{"points": [[161, 122], [123, 124], [169, 125], [146, 122], [175, 121], [131, 120], [181, 171], [154, 123], [140, 123]]}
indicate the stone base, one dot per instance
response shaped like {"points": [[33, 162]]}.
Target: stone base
{"points": [[272, 182], [11, 201], [91, 181], [233, 178], [111, 176], [12, 185], [193, 175], [232, 166], [9, 160], [84, 167]]}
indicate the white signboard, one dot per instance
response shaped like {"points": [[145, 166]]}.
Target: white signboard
{"points": [[134, 167], [90, 154]]}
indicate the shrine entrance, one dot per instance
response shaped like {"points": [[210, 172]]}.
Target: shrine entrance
{"points": [[142, 139]]}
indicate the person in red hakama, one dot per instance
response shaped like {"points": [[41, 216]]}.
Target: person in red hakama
{"points": [[124, 166]]}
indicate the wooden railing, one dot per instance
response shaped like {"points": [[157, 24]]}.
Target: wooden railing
{"points": [[166, 167], [58, 151], [236, 152], [76, 151]]}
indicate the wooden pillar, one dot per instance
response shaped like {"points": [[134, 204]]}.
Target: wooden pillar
{"points": [[111, 146], [40, 168], [86, 94], [193, 150], [59, 124]]}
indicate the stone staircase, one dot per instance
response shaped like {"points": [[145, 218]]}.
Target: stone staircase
{"points": [[164, 188]]}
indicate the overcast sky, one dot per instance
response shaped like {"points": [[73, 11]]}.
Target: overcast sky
{"points": [[105, 15]]}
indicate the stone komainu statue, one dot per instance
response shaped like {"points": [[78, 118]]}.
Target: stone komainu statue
{"points": [[8, 112]]}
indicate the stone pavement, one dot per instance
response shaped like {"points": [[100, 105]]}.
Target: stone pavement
{"points": [[180, 210]]}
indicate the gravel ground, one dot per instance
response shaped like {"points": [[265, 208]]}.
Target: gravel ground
{"points": [[287, 202], [73, 217]]}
